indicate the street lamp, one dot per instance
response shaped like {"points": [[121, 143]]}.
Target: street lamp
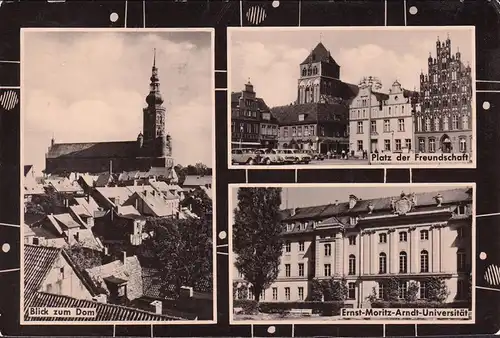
{"points": [[241, 135]]}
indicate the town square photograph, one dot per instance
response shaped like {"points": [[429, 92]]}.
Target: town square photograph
{"points": [[352, 252], [352, 96], [118, 151]]}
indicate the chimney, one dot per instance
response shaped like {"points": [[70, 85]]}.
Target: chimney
{"points": [[124, 258], [352, 201], [157, 306]]}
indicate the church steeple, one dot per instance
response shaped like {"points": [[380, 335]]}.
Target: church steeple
{"points": [[154, 97]]}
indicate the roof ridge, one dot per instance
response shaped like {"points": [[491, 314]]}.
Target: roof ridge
{"points": [[100, 142]]}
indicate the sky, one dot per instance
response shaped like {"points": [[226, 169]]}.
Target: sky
{"points": [[271, 58], [91, 87], [299, 197]]}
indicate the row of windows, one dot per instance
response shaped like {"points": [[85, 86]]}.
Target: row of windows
{"points": [[445, 76], [245, 127], [442, 125], [302, 130], [444, 89], [310, 71], [389, 112], [462, 144], [387, 144], [444, 103], [267, 129], [387, 126], [245, 113]]}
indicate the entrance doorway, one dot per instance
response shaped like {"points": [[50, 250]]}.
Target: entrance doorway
{"points": [[374, 146], [446, 146]]}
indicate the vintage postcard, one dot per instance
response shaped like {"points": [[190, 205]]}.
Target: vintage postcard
{"points": [[352, 253], [326, 97], [118, 186]]}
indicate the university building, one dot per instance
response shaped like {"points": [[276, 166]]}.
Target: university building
{"points": [[412, 237], [380, 122], [318, 119], [444, 111], [252, 125]]}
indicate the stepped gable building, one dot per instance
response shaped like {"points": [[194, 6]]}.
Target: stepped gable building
{"points": [[252, 124], [381, 122], [151, 149], [443, 115], [412, 237], [319, 118]]}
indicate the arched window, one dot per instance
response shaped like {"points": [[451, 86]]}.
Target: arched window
{"points": [[382, 261], [309, 72], [315, 70], [352, 265], [424, 261], [464, 100], [304, 72], [403, 262]]}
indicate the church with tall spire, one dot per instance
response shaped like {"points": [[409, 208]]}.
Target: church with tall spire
{"points": [[150, 152]]}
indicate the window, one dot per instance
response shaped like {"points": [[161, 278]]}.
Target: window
{"points": [[294, 132], [360, 127], [461, 261], [288, 246], [301, 269], [287, 293], [328, 249], [445, 123], [360, 145], [408, 143], [463, 145], [382, 262], [427, 124], [454, 75], [403, 236], [461, 210], [299, 131], [301, 117], [373, 126], [401, 125], [421, 145], [424, 235], [275, 293], [403, 262], [288, 270], [455, 122], [301, 246], [311, 130], [424, 290], [387, 145], [403, 112], [402, 289], [249, 128], [381, 290], [285, 132], [36, 241], [419, 123], [289, 227], [432, 145], [301, 293], [353, 221], [389, 110], [382, 238], [398, 145], [436, 124], [352, 265], [351, 290], [352, 240], [387, 126], [424, 261], [328, 270]]}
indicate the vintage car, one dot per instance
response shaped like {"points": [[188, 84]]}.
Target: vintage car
{"points": [[270, 156], [301, 157], [246, 156], [314, 155], [287, 155]]}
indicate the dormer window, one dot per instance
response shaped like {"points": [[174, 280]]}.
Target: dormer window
{"points": [[461, 210], [289, 227], [302, 117], [353, 220]]}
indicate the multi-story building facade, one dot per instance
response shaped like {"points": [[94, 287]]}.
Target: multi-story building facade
{"points": [[412, 237], [318, 119], [444, 114], [380, 122], [252, 125]]}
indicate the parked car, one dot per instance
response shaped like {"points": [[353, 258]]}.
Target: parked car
{"points": [[314, 155], [246, 156], [270, 156], [287, 155], [301, 157]]}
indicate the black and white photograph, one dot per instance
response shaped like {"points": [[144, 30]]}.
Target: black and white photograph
{"points": [[316, 97], [345, 253], [118, 182]]}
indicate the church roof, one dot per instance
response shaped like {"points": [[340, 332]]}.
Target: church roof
{"points": [[313, 113], [319, 53], [120, 149]]}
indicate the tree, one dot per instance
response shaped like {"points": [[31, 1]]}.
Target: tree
{"points": [[437, 289], [257, 240], [183, 251], [412, 292], [201, 169], [392, 287], [316, 293], [199, 202], [84, 258], [372, 298]]}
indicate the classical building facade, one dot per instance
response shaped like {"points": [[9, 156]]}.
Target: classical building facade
{"points": [[318, 119], [252, 125], [412, 237], [152, 149], [380, 122], [444, 113]]}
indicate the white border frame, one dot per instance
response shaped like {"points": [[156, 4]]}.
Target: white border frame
{"points": [[214, 194], [376, 30], [232, 190]]}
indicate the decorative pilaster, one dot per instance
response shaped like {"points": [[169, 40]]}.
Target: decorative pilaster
{"points": [[363, 262], [414, 255], [392, 257], [339, 254], [319, 258], [373, 254]]}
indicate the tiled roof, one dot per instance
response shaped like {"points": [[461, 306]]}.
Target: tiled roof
{"points": [[123, 193], [80, 210], [89, 205], [193, 180], [43, 232], [380, 96], [66, 221], [150, 283], [313, 113], [103, 179], [155, 202], [123, 149], [64, 185], [27, 231], [131, 271], [105, 312], [423, 200], [319, 53], [127, 210]]}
